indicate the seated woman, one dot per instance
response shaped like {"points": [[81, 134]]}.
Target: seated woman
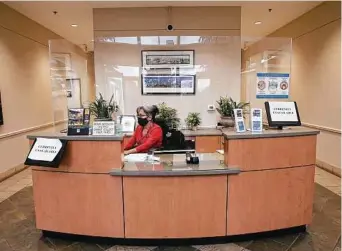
{"points": [[148, 134]]}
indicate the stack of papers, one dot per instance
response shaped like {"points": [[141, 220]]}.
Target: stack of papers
{"points": [[140, 157]]}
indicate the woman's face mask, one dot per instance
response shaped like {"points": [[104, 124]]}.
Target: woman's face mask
{"points": [[142, 121]]}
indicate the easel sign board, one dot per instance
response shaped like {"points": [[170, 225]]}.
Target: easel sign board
{"points": [[46, 152]]}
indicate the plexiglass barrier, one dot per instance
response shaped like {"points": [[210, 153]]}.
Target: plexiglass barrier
{"points": [[69, 78], [187, 72], [266, 72]]}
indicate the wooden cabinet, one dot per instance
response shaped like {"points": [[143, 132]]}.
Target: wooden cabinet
{"points": [[208, 144], [270, 199]]}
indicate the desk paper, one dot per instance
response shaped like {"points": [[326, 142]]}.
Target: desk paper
{"points": [[139, 157]]}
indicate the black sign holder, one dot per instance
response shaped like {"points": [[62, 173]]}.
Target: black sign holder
{"points": [[280, 124], [54, 163]]}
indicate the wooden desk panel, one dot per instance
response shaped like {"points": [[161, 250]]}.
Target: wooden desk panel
{"points": [[268, 200], [270, 153], [208, 144], [175, 207], [85, 204], [90, 157]]}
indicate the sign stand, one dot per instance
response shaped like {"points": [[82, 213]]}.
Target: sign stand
{"points": [[239, 120]]}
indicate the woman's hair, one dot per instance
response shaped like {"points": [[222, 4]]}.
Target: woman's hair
{"points": [[150, 110]]}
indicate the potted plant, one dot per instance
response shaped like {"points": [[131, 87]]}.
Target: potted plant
{"points": [[226, 106], [168, 116], [103, 110], [193, 120]]}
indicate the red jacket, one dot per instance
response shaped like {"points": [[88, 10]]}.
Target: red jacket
{"points": [[152, 139]]}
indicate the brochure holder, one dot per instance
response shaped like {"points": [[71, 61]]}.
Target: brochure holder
{"points": [[256, 120], [239, 120]]}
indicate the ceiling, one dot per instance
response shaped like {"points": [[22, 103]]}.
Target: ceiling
{"points": [[81, 13]]}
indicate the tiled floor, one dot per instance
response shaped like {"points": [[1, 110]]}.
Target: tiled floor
{"points": [[18, 232]]}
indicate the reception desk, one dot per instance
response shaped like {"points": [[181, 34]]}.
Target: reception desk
{"points": [[263, 182]]}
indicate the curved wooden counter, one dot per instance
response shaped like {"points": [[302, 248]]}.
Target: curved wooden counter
{"points": [[263, 182]]}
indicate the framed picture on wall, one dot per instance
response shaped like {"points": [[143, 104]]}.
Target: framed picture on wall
{"points": [[168, 84], [166, 59], [73, 92]]}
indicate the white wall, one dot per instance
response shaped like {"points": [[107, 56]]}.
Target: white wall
{"points": [[25, 84]]}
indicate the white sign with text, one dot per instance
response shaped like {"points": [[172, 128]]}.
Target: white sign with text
{"points": [[104, 128], [45, 149], [283, 111]]}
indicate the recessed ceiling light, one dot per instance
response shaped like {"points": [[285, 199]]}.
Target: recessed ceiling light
{"points": [[257, 22], [74, 25]]}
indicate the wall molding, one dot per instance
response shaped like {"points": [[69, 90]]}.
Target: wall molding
{"points": [[30, 129], [322, 128], [12, 171], [329, 168]]}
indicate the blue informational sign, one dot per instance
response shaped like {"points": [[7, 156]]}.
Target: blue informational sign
{"points": [[273, 85]]}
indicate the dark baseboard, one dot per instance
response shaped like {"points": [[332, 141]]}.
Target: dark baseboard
{"points": [[174, 242]]}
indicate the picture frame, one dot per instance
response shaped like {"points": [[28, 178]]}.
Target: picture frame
{"points": [[168, 84], [167, 58], [73, 92]]}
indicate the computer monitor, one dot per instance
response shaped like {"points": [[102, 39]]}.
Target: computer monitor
{"points": [[282, 113]]}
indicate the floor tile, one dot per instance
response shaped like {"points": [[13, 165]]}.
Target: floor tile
{"points": [[9, 216], [267, 245], [5, 195], [104, 247], [312, 242], [221, 247], [133, 248], [81, 247], [286, 240], [61, 244], [338, 245], [4, 246], [23, 202], [89, 247]]}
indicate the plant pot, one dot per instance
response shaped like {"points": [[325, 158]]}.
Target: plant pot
{"points": [[227, 121], [193, 128]]}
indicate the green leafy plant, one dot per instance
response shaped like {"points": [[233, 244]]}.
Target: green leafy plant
{"points": [[226, 106], [168, 115], [102, 109], [193, 119]]}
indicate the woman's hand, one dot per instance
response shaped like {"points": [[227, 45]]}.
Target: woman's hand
{"points": [[130, 151]]}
